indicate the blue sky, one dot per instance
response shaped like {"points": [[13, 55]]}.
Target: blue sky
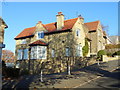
{"points": [[21, 15]]}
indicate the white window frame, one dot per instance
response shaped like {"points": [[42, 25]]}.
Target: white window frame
{"points": [[79, 50], [40, 34], [43, 52], [40, 52], [33, 54]]}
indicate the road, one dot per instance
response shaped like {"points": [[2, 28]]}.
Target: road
{"points": [[108, 80], [82, 78]]}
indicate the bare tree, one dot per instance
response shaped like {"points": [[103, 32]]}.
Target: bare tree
{"points": [[8, 56], [105, 28]]}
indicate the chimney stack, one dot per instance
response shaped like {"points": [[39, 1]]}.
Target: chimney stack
{"points": [[60, 21], [81, 19], [38, 26]]}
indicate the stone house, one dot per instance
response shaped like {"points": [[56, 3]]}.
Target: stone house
{"points": [[3, 26], [97, 35], [53, 45]]}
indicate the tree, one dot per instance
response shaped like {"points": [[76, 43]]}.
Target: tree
{"points": [[105, 28], [85, 49], [8, 56]]}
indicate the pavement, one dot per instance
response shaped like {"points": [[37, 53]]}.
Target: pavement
{"points": [[77, 78]]}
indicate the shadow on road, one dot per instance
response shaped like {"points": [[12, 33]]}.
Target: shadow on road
{"points": [[95, 69], [51, 79]]}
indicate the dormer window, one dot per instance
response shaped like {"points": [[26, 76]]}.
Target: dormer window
{"points": [[40, 35]]}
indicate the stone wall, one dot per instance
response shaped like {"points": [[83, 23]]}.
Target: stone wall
{"points": [[93, 37], [58, 42]]}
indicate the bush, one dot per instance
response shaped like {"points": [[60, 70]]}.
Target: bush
{"points": [[116, 53], [10, 72], [100, 53], [111, 46], [3, 64], [109, 54], [85, 49], [24, 72]]}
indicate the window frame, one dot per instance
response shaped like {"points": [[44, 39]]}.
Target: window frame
{"points": [[37, 52], [22, 54], [67, 51], [20, 51], [53, 53], [78, 32], [78, 50], [41, 33], [25, 56], [33, 52], [42, 49]]}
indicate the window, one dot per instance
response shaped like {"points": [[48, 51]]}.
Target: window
{"points": [[23, 41], [42, 52], [53, 53], [78, 32], [25, 55], [38, 52], [78, 50], [34, 52], [22, 54], [67, 51], [40, 35], [19, 57]]}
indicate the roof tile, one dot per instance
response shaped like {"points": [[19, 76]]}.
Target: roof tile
{"points": [[92, 25], [38, 42], [68, 24]]}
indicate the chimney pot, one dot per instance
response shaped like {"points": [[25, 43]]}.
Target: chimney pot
{"points": [[59, 13], [39, 21], [80, 16]]}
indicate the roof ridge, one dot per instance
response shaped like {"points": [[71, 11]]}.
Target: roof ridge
{"points": [[70, 19], [29, 27], [93, 21], [56, 22]]}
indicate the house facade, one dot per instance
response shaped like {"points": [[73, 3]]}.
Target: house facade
{"points": [[97, 35], [3, 26], [2, 45], [53, 45]]}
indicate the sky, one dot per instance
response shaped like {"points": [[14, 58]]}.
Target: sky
{"points": [[21, 15]]}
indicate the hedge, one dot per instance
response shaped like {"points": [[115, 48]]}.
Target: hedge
{"points": [[116, 53], [100, 53]]}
